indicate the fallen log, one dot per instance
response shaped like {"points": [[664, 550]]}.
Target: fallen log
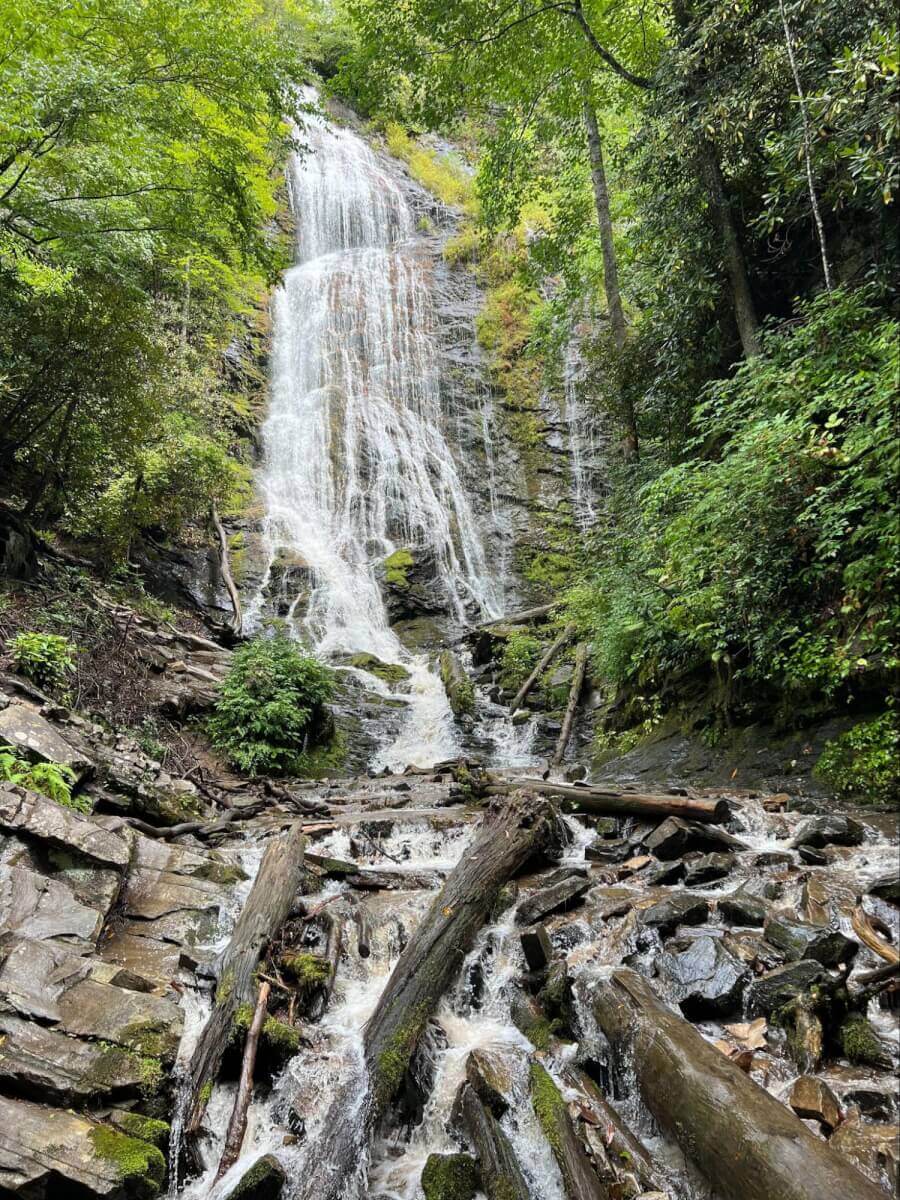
{"points": [[237, 1125], [333, 946], [747, 1144], [564, 638], [227, 578], [267, 908], [581, 657], [519, 618], [579, 1177], [501, 1176], [615, 801], [869, 936], [512, 832]]}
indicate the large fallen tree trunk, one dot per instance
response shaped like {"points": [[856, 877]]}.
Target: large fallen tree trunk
{"points": [[747, 1144], [601, 800], [579, 1177], [512, 832], [518, 618], [501, 1177], [564, 638], [266, 910], [581, 657]]}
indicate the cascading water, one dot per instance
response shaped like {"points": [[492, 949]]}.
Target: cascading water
{"points": [[356, 463]]}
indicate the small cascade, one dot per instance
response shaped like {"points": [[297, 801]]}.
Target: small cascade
{"points": [[584, 436]]}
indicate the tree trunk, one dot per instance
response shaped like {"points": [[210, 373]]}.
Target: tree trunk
{"points": [[612, 801], [581, 657], [610, 267], [501, 1177], [518, 618], [735, 264], [566, 636], [747, 1144], [237, 1125], [227, 577], [511, 833], [265, 911], [579, 1177]]}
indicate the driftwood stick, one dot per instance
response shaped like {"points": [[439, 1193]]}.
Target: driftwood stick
{"points": [[237, 1125], [512, 832], [565, 637], [574, 798], [867, 934], [518, 618], [746, 1143], [227, 577], [581, 657], [266, 910]]}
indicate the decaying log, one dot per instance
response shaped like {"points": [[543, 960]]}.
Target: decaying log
{"points": [[512, 832], [501, 1176], [237, 1125], [227, 578], [612, 801], [579, 1177], [267, 908], [564, 638], [333, 947], [518, 618], [581, 658], [868, 935], [747, 1144]]}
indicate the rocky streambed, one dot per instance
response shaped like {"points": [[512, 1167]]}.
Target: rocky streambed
{"points": [[463, 995]]}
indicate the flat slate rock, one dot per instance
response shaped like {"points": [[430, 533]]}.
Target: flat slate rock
{"points": [[681, 909], [45, 1064], [708, 868], [778, 987], [28, 813], [674, 837], [37, 740], [36, 906], [560, 896], [130, 949], [34, 974], [703, 977], [798, 939], [145, 1023], [819, 832], [742, 908]]}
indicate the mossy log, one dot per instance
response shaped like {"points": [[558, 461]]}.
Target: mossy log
{"points": [[237, 1125], [614, 801], [547, 658], [579, 1177], [266, 910], [501, 1176], [747, 1144], [518, 618], [512, 832], [581, 658]]}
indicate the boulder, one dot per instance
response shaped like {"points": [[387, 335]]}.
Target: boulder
{"points": [[873, 1149], [743, 908], [829, 831], [707, 868], [52, 1152], [44, 1064], [813, 1100], [798, 939], [34, 738], [704, 979], [608, 850], [263, 1181], [886, 886], [674, 837], [36, 816], [491, 1079], [664, 874], [457, 685], [774, 989], [537, 947], [668, 914], [449, 1177], [559, 897]]}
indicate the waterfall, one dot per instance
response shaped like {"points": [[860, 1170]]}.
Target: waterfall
{"points": [[356, 462]]}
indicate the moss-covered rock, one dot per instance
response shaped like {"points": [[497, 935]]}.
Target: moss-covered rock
{"points": [[140, 1165], [263, 1181], [548, 1104], [860, 1042], [449, 1177], [307, 970], [397, 566], [392, 673], [457, 684], [277, 1036], [146, 1129]]}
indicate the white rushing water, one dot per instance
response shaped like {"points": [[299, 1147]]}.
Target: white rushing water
{"points": [[356, 461]]}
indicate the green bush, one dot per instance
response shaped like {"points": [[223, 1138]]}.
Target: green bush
{"points": [[520, 656], [271, 706], [864, 761], [45, 658], [53, 780]]}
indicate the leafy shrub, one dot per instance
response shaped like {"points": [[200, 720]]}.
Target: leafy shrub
{"points": [[45, 658], [864, 761], [53, 780], [271, 706], [520, 656], [440, 174]]}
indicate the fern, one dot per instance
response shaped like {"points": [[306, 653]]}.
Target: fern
{"points": [[53, 780]]}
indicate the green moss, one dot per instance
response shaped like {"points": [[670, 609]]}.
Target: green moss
{"points": [[264, 1169], [860, 1042], [148, 1129], [449, 1177], [458, 686], [394, 1058], [152, 1038], [308, 970], [219, 872], [549, 1106], [442, 175], [151, 1074], [225, 986], [276, 1035], [206, 1093], [138, 1164], [396, 566], [389, 672]]}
